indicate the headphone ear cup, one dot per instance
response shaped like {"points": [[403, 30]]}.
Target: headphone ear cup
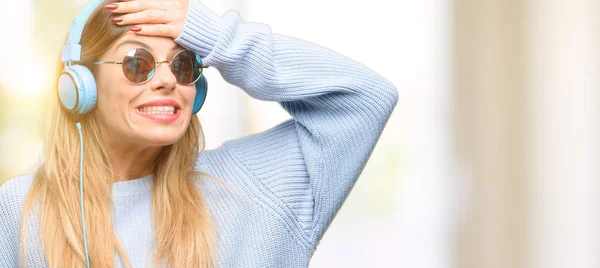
{"points": [[201, 91], [77, 89]]}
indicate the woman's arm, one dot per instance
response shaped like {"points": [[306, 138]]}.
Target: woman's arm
{"points": [[339, 107], [339, 110]]}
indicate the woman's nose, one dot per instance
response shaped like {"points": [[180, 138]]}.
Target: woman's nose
{"points": [[164, 77]]}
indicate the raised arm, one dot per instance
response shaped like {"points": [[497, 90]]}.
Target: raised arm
{"points": [[339, 110]]}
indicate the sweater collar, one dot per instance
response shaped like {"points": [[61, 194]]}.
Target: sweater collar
{"points": [[131, 188]]}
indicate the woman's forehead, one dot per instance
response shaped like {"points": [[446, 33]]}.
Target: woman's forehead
{"points": [[157, 45]]}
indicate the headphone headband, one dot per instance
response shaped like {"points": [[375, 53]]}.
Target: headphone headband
{"points": [[72, 51]]}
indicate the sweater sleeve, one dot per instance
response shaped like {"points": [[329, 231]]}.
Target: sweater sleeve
{"points": [[339, 109]]}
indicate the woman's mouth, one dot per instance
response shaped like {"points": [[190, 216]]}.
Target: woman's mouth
{"points": [[152, 110], [164, 114]]}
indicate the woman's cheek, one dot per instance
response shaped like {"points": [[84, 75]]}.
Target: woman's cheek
{"points": [[191, 94]]}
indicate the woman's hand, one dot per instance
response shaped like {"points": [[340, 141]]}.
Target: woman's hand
{"points": [[151, 17]]}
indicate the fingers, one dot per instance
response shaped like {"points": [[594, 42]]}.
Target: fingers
{"points": [[167, 30], [151, 17], [145, 16], [129, 6]]}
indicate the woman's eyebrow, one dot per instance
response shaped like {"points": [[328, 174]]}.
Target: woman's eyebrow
{"points": [[176, 47], [131, 41]]}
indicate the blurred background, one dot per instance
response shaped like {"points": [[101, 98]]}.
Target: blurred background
{"points": [[491, 158]]}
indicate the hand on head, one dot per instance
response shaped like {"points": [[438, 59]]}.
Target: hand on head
{"points": [[151, 17]]}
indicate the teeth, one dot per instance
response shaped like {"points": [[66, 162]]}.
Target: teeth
{"points": [[157, 110]]}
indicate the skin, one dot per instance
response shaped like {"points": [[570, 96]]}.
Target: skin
{"points": [[133, 142], [152, 17]]}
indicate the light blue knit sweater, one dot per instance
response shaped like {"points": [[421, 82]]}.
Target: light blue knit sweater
{"points": [[292, 179]]}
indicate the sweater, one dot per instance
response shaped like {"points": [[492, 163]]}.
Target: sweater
{"points": [[288, 182]]}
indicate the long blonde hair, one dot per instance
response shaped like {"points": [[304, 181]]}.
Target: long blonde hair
{"points": [[184, 234]]}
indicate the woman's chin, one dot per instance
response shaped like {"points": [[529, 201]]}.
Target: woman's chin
{"points": [[158, 133], [162, 141], [160, 136]]}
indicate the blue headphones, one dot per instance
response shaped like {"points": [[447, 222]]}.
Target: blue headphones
{"points": [[76, 84]]}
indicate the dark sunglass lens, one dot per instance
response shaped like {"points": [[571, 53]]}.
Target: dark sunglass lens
{"points": [[138, 65], [186, 67]]}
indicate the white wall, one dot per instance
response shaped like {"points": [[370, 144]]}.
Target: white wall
{"points": [[564, 139]]}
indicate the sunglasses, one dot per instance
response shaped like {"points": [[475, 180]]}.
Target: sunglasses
{"points": [[139, 65]]}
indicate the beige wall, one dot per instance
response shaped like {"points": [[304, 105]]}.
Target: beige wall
{"points": [[527, 95], [563, 134], [489, 129]]}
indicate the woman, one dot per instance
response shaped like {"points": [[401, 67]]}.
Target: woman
{"points": [[153, 196]]}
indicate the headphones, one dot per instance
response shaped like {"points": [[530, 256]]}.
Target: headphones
{"points": [[76, 84]]}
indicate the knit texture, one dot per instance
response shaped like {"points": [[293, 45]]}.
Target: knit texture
{"points": [[288, 182]]}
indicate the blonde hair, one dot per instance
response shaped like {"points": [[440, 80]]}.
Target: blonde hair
{"points": [[184, 232]]}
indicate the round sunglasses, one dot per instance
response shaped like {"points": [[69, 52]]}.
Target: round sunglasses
{"points": [[139, 65]]}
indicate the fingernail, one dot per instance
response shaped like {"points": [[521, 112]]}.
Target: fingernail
{"points": [[111, 6], [135, 29], [117, 19]]}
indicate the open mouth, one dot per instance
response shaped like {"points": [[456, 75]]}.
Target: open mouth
{"points": [[155, 110]]}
